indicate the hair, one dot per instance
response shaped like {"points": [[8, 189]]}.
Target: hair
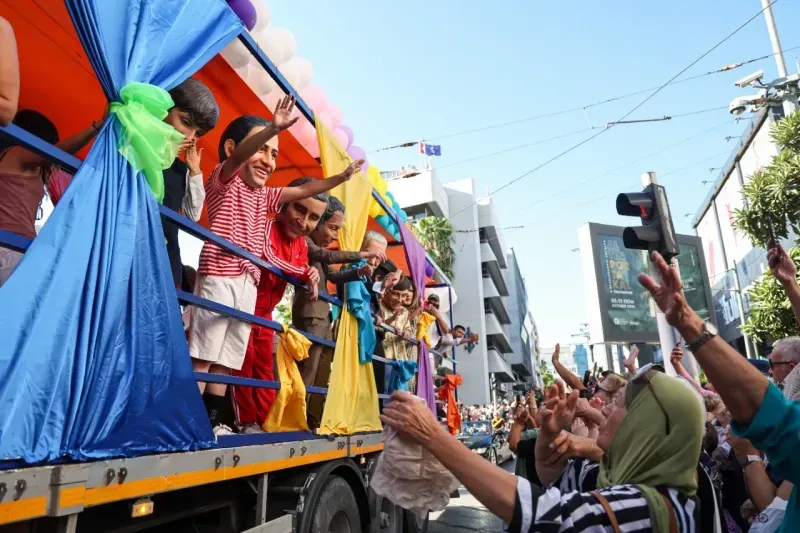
{"points": [[605, 373], [459, 326], [36, 124], [433, 297], [372, 235], [404, 285], [710, 439], [712, 403], [196, 99], [237, 130], [792, 347], [334, 205], [188, 278], [614, 382], [297, 182], [586, 376]]}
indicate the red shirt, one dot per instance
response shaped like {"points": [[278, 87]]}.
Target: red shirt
{"points": [[238, 214], [290, 255], [19, 200]]}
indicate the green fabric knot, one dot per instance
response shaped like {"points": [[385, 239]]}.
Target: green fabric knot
{"points": [[148, 143]]}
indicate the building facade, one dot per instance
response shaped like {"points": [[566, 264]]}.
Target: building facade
{"points": [[480, 282], [523, 335]]}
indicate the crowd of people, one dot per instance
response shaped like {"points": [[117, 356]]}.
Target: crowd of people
{"points": [[646, 451]]}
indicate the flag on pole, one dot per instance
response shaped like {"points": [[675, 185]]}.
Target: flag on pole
{"points": [[430, 149]]}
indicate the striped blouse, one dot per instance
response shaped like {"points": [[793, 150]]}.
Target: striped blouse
{"points": [[568, 506]]}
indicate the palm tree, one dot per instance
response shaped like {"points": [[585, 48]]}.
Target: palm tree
{"points": [[436, 236]]}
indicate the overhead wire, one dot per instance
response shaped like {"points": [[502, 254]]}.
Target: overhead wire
{"points": [[626, 115]]}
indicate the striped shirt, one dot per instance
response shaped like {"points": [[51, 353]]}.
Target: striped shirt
{"points": [[238, 214], [568, 506]]}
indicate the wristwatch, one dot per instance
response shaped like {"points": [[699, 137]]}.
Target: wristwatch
{"points": [[708, 332], [750, 459]]}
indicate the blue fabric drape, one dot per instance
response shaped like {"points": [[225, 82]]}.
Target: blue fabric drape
{"points": [[93, 358], [402, 372], [357, 297]]}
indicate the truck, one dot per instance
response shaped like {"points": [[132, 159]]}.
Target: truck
{"points": [[299, 481]]}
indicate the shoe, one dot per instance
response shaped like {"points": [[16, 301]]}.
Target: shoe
{"points": [[222, 430], [252, 429]]}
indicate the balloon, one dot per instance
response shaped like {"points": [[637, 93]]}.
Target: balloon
{"points": [[356, 152], [336, 114], [312, 148], [348, 132], [403, 216], [391, 197], [341, 138], [271, 99], [383, 220], [374, 175], [262, 16], [278, 43], [381, 187], [315, 98], [245, 10], [304, 132], [325, 118], [298, 72], [428, 270], [375, 210], [242, 71], [260, 82], [236, 54]]}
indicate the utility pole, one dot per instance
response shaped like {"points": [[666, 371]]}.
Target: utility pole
{"points": [[790, 104]]}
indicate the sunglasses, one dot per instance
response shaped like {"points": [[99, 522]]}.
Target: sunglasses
{"points": [[773, 364]]}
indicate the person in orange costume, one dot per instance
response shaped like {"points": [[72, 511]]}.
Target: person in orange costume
{"points": [[447, 392]]}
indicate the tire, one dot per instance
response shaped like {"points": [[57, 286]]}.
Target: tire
{"points": [[336, 510], [413, 523], [387, 518], [493, 456]]}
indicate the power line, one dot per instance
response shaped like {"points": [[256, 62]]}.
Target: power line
{"points": [[626, 115]]}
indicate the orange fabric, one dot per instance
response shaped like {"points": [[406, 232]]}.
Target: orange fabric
{"points": [[447, 393]]}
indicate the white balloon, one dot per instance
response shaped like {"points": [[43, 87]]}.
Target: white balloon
{"points": [[298, 72], [262, 16], [278, 43], [243, 71], [260, 81], [236, 54]]}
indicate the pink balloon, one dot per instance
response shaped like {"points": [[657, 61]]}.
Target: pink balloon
{"points": [[356, 153], [312, 148], [326, 119], [349, 132], [341, 138], [304, 132], [336, 114], [315, 98]]}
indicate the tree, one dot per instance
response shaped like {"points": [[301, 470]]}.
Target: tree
{"points": [[773, 193], [283, 311], [547, 376], [436, 236]]}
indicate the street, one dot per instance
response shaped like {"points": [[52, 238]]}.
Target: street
{"points": [[466, 514]]}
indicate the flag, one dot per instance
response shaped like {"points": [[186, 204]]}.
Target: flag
{"points": [[430, 149]]}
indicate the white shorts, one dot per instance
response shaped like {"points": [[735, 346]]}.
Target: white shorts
{"points": [[217, 338]]}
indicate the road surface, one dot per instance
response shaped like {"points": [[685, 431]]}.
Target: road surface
{"points": [[465, 514]]}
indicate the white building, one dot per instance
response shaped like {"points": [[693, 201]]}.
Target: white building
{"points": [[479, 276]]}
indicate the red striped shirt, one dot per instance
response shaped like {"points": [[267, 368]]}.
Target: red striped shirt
{"points": [[238, 214]]}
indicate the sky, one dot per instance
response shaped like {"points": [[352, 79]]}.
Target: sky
{"points": [[405, 71]]}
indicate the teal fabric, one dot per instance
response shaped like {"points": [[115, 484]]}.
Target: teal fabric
{"points": [[775, 430], [402, 372], [357, 298]]}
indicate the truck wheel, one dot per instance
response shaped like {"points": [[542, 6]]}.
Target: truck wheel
{"points": [[388, 517], [412, 523], [336, 510]]}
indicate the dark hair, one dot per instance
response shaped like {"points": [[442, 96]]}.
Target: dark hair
{"points": [[188, 278], [334, 205], [196, 99], [459, 326], [36, 124], [433, 297], [404, 285], [297, 182], [237, 130]]}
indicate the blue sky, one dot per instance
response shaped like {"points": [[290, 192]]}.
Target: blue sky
{"points": [[404, 71]]}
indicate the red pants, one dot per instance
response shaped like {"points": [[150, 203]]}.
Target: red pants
{"points": [[253, 403]]}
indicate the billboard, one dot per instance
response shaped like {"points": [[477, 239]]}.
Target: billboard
{"points": [[620, 309]]}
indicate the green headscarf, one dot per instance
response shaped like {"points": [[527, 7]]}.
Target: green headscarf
{"points": [[657, 443]]}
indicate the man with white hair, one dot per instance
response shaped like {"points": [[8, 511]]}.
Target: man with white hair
{"points": [[784, 357]]}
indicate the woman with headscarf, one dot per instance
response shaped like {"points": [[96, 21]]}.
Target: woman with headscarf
{"points": [[642, 477]]}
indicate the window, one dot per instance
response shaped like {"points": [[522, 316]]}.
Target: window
{"points": [[484, 270], [482, 235]]}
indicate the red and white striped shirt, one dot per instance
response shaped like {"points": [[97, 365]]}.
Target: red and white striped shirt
{"points": [[238, 214]]}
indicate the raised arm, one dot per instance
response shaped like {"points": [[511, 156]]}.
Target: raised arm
{"points": [[9, 73], [520, 421], [71, 145], [740, 385], [676, 358], [313, 188], [785, 271], [569, 378]]}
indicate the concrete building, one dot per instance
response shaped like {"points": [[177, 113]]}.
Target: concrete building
{"points": [[523, 336], [479, 280]]}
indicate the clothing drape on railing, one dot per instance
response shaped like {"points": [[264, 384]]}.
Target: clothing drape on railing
{"points": [[352, 402], [288, 412], [357, 297], [423, 328], [93, 358], [402, 372], [447, 394]]}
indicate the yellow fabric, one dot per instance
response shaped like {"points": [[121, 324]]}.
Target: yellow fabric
{"points": [[423, 328], [352, 403], [288, 413]]}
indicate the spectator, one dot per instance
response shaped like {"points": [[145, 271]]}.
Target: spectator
{"points": [[784, 358], [9, 73]]}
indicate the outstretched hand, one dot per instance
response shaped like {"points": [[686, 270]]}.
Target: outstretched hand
{"points": [[630, 361], [556, 352], [677, 355], [352, 168], [668, 295], [558, 410], [781, 265], [282, 118]]}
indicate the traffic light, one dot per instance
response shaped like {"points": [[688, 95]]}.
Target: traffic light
{"points": [[656, 234]]}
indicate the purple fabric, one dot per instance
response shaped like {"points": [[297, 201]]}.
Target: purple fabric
{"points": [[424, 377], [415, 256]]}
